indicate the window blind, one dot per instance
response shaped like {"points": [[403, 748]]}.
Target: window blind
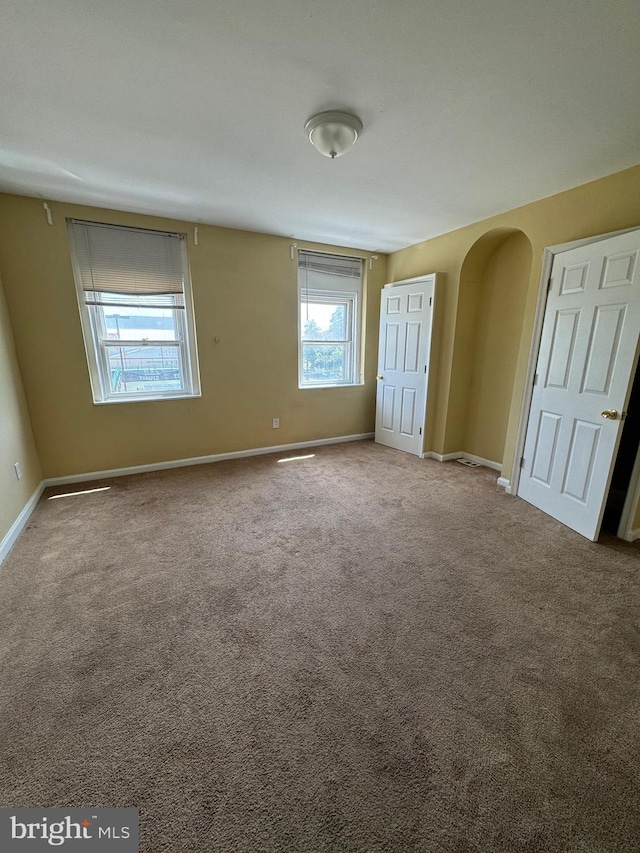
{"points": [[330, 264], [115, 262]]}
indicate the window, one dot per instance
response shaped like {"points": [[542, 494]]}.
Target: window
{"points": [[137, 316], [330, 295]]}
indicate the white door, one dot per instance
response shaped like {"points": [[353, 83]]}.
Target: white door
{"points": [[403, 363], [583, 380]]}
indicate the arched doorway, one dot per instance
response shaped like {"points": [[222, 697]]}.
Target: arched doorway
{"points": [[494, 280]]}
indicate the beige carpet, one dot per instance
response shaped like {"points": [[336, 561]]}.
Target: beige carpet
{"points": [[358, 652]]}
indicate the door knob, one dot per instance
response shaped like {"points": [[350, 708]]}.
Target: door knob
{"points": [[379, 377], [610, 414]]}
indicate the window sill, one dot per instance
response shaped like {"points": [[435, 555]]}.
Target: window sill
{"points": [[146, 399], [337, 385]]}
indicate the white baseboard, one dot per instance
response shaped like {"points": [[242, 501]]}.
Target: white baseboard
{"points": [[448, 457], [19, 524], [199, 460], [504, 484], [441, 457], [496, 466]]}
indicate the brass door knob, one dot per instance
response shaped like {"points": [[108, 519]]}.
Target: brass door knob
{"points": [[610, 414], [379, 377]]}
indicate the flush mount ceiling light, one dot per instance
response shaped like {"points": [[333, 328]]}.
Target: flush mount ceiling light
{"points": [[333, 132]]}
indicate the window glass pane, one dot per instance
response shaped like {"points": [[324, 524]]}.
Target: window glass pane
{"points": [[139, 369], [324, 363], [323, 321], [139, 324]]}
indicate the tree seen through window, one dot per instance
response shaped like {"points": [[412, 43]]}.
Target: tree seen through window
{"points": [[324, 336]]}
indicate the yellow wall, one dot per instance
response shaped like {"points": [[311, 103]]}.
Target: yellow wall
{"points": [[16, 438], [245, 293], [609, 204], [500, 295]]}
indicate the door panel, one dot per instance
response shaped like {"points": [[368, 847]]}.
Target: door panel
{"points": [[408, 414], [561, 355], [574, 278], [587, 357], [546, 446], [405, 341], [415, 303], [388, 407], [412, 347], [602, 353], [582, 453], [393, 304], [391, 346], [619, 269]]}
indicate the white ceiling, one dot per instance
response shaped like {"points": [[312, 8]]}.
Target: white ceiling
{"points": [[195, 108]]}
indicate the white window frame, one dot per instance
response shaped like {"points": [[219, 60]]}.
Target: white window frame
{"points": [[97, 343], [352, 299]]}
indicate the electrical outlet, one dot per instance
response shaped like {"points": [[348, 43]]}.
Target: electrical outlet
{"points": [[276, 423], [18, 470]]}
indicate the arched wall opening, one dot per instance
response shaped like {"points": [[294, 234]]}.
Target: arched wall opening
{"points": [[494, 280]]}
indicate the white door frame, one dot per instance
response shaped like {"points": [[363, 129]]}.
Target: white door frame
{"points": [[547, 262], [625, 529]]}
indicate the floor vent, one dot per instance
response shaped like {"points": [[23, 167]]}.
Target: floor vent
{"points": [[469, 463]]}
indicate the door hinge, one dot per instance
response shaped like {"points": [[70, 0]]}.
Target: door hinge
{"points": [[430, 301], [425, 368], [549, 283], [420, 430], [535, 378], [522, 461]]}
